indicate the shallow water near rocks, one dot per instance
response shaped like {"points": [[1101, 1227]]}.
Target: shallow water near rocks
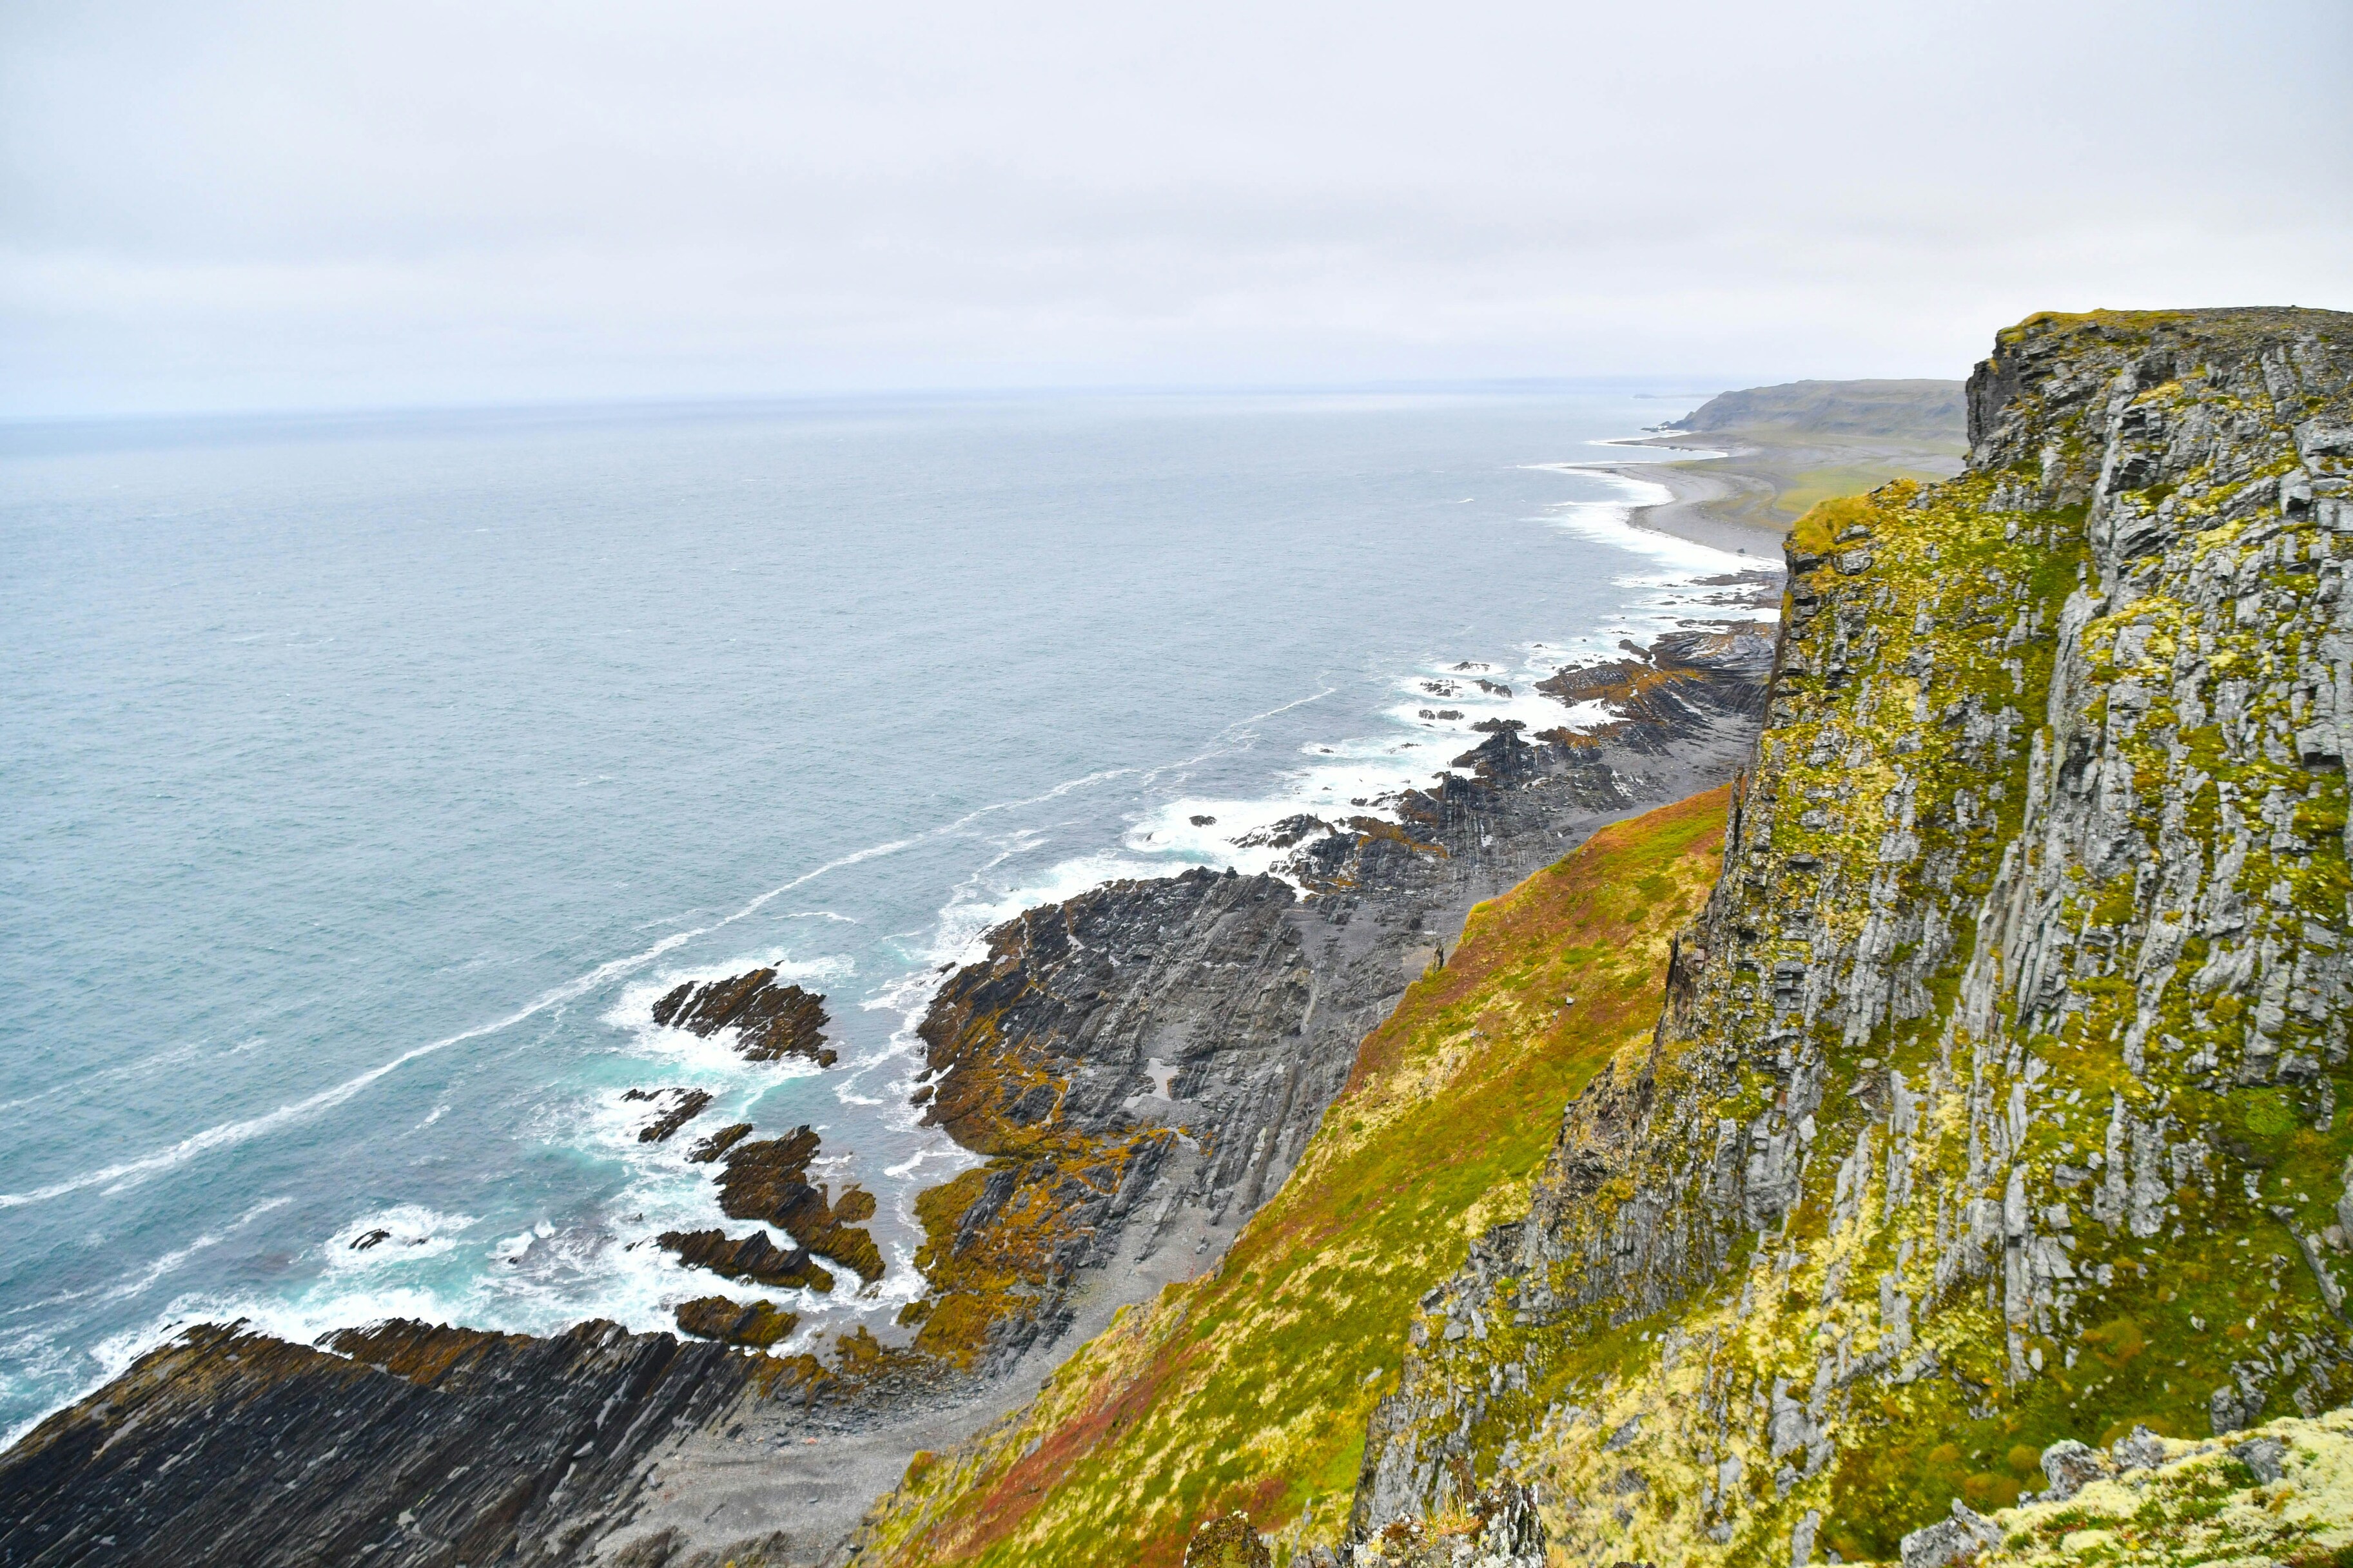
{"points": [[369, 778]]}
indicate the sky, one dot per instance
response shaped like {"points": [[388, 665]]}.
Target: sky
{"points": [[211, 205]]}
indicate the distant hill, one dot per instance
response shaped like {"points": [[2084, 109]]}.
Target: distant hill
{"points": [[1932, 410]]}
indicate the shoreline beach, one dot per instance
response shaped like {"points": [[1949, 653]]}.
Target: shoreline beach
{"points": [[1691, 511]]}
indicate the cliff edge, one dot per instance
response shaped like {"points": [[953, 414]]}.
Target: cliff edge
{"points": [[1994, 1108]]}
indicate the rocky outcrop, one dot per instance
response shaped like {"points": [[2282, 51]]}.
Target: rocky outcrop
{"points": [[753, 1257], [1664, 696], [1995, 1100], [1140, 1030], [683, 1105], [1141, 1065], [710, 1147], [768, 1180], [754, 1324], [770, 1021], [404, 1443]]}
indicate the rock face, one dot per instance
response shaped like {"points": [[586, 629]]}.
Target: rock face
{"points": [[407, 1445], [1141, 1028], [770, 1021], [1141, 1065], [1994, 1107]]}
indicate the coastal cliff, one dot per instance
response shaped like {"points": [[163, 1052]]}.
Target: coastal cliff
{"points": [[1927, 1147], [1994, 1104], [1139, 1069], [1979, 1191]]}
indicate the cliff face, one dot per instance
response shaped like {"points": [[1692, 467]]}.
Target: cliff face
{"points": [[1995, 1099]]}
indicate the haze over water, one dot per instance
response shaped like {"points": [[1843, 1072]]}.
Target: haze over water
{"points": [[366, 779]]}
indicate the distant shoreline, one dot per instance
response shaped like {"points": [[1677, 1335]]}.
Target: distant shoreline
{"points": [[1689, 513]]}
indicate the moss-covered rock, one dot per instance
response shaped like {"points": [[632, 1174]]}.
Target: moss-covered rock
{"points": [[1247, 1388], [1995, 1099]]}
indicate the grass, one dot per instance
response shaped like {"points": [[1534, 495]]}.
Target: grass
{"points": [[1801, 492], [1248, 1388]]}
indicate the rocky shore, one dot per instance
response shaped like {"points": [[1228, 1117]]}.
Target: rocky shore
{"points": [[1138, 1069]]}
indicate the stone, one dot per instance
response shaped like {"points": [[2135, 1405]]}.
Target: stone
{"points": [[770, 1021]]}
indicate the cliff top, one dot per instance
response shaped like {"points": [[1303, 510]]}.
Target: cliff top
{"points": [[1922, 410]]}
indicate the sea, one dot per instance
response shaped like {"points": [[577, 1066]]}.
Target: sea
{"points": [[365, 778]]}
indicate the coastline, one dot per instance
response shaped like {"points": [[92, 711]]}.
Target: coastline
{"points": [[815, 1443], [1692, 511]]}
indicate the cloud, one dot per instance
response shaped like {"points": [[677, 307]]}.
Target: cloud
{"points": [[296, 204]]}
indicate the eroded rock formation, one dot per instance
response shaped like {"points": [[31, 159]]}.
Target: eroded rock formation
{"points": [[403, 1443], [770, 1021], [1143, 1064], [1995, 1101]]}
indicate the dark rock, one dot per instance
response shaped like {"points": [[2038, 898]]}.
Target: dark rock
{"points": [[758, 1324], [768, 1180], [719, 1143], [409, 1443], [752, 1258], [373, 1238], [771, 1021], [686, 1104]]}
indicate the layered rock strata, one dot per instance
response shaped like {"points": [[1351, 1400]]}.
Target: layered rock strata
{"points": [[403, 1443], [770, 1021], [1141, 1066], [1995, 1104], [768, 1180]]}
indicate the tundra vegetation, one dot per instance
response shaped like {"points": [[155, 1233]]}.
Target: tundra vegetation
{"points": [[1969, 1180]]}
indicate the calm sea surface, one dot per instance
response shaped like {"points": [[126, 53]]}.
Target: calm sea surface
{"points": [[363, 781]]}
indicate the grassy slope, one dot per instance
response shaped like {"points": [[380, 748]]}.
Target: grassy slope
{"points": [[1249, 1387]]}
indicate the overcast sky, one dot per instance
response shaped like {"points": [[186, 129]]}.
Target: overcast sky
{"points": [[218, 205]]}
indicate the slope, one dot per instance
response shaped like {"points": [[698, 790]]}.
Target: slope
{"points": [[1995, 1108], [1250, 1386]]}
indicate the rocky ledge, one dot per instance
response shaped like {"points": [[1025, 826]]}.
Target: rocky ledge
{"points": [[770, 1021], [402, 1444]]}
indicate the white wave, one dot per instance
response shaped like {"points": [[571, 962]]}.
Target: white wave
{"points": [[405, 1233], [229, 1134]]}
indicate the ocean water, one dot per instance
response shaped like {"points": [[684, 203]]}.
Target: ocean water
{"points": [[366, 780]]}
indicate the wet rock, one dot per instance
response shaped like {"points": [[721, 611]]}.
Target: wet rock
{"points": [[406, 1444], [2070, 1467], [768, 1180], [685, 1105], [770, 1021], [719, 1143], [758, 1324], [753, 1258]]}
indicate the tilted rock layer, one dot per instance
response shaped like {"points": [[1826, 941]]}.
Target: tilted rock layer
{"points": [[404, 1443], [1995, 1102]]}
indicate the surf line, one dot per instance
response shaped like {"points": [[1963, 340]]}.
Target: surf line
{"points": [[228, 1134]]}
